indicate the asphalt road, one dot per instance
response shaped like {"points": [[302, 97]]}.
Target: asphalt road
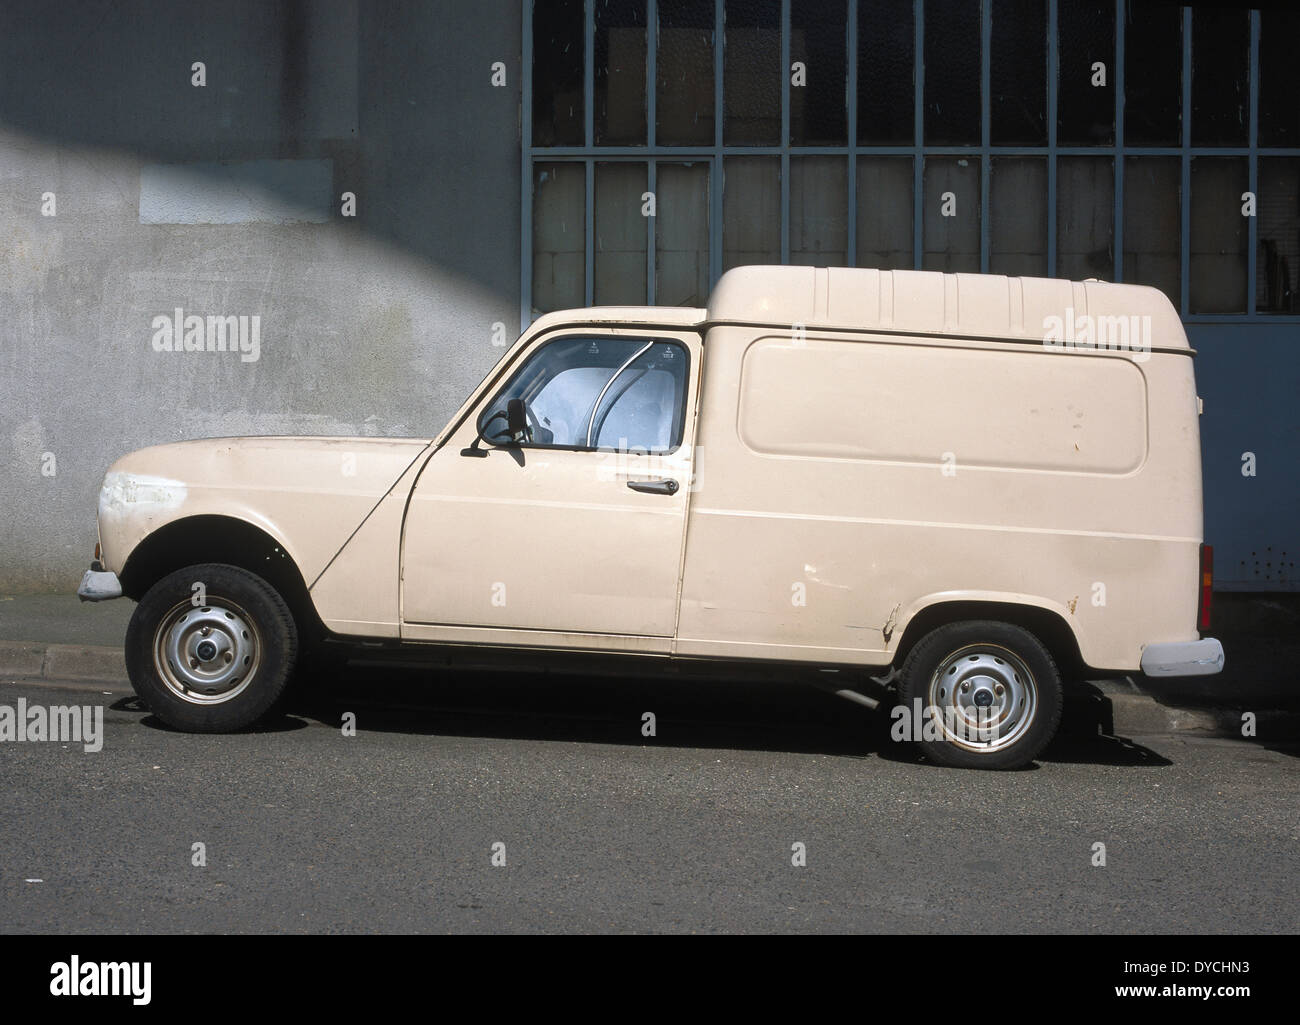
{"points": [[392, 830]]}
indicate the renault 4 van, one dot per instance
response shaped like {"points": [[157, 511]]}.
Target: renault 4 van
{"points": [[975, 488]]}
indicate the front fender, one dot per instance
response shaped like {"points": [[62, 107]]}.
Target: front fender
{"points": [[308, 494]]}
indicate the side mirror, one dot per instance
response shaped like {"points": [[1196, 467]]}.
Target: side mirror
{"points": [[511, 436], [517, 419]]}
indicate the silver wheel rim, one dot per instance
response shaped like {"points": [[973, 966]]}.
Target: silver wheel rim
{"points": [[209, 654], [983, 698]]}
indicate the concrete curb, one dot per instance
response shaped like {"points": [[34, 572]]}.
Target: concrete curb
{"points": [[1132, 713], [35, 661], [1138, 714]]}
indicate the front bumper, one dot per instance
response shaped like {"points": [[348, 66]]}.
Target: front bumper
{"points": [[1185, 658], [99, 586]]}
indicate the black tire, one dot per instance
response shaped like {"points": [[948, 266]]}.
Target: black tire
{"points": [[997, 690], [215, 667]]}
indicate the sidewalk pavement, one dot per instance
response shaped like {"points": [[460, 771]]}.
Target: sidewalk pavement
{"points": [[57, 637], [64, 619]]}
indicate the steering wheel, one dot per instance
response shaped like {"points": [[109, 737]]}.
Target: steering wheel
{"points": [[537, 430]]}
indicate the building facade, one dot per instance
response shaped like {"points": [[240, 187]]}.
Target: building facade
{"points": [[507, 159]]}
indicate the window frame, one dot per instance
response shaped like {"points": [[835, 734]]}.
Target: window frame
{"points": [[858, 14], [679, 414]]}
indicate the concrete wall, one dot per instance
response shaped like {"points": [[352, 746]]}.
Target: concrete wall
{"points": [[224, 200]]}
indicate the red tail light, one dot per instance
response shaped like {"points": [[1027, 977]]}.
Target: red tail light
{"points": [[1207, 588]]}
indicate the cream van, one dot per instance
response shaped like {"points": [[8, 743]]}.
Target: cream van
{"points": [[985, 483]]}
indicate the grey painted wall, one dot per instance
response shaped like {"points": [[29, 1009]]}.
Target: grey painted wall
{"points": [[373, 325]]}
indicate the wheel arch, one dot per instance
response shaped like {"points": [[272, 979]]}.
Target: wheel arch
{"points": [[1046, 624], [225, 539]]}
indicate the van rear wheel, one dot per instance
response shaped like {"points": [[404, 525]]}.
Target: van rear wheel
{"points": [[990, 694]]}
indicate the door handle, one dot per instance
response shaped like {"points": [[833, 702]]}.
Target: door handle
{"points": [[654, 487]]}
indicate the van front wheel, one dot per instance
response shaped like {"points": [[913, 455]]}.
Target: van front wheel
{"points": [[210, 647], [989, 693]]}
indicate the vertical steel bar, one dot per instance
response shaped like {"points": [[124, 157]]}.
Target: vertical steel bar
{"points": [[1117, 232], [1185, 199], [785, 131], [651, 117], [918, 129], [526, 171], [589, 119], [1053, 100], [851, 113], [717, 175], [589, 226], [986, 129], [1252, 223]]}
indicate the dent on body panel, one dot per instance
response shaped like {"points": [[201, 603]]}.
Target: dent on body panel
{"points": [[138, 496], [142, 501]]}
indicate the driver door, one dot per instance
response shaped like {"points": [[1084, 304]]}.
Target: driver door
{"points": [[572, 534]]}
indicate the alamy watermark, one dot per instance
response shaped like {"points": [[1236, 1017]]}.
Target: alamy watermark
{"points": [[179, 332], [632, 463], [73, 978], [975, 724], [1087, 333], [58, 724]]}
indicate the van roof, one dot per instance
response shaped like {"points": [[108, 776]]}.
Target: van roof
{"points": [[972, 305], [911, 301], [612, 316]]}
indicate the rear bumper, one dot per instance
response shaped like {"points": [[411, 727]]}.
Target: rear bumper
{"points": [[1186, 658], [99, 586]]}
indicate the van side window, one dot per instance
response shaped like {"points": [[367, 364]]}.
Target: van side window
{"points": [[598, 393]]}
